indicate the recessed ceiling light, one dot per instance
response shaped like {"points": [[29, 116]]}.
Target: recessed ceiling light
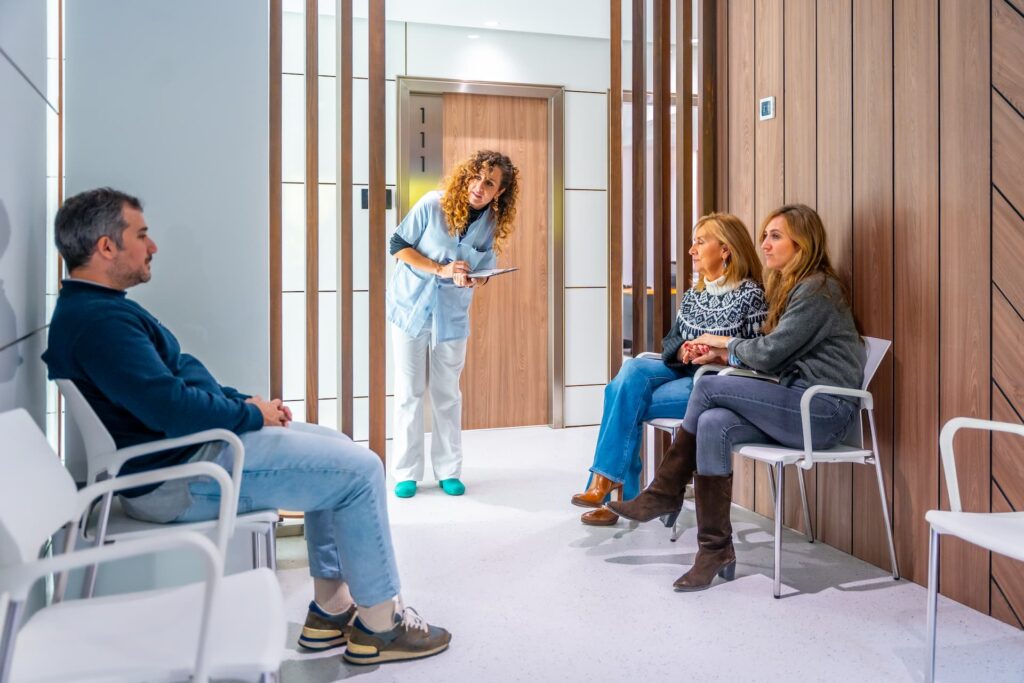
{"points": [[490, 23], [473, 36]]}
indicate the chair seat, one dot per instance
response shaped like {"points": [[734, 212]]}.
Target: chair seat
{"points": [[667, 424], [121, 526], [773, 454], [152, 636], [1000, 532]]}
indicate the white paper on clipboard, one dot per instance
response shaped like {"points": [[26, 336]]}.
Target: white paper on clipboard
{"points": [[490, 272]]}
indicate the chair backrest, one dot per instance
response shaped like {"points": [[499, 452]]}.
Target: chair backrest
{"points": [[949, 430], [99, 445], [37, 495], [876, 350]]}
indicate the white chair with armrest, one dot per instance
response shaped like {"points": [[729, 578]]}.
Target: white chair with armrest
{"points": [[226, 627], [104, 460]]}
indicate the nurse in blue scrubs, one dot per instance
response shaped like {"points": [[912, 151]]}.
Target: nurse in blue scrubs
{"points": [[447, 235]]}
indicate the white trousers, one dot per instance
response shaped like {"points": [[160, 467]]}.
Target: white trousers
{"points": [[446, 362]]}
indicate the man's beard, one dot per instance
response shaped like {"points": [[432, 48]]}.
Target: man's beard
{"points": [[126, 278]]}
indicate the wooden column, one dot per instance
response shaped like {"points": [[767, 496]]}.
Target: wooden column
{"points": [[639, 192], [312, 214], [344, 198], [662, 172], [615, 189], [377, 151], [274, 89], [707, 115], [684, 146]]}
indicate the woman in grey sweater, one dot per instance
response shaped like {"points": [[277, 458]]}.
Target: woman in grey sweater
{"points": [[810, 337]]}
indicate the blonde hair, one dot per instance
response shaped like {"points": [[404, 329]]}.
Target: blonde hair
{"points": [[742, 262], [805, 229], [455, 200]]}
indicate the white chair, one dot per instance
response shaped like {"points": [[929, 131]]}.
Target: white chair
{"points": [[228, 627], [851, 450], [104, 460], [999, 532]]}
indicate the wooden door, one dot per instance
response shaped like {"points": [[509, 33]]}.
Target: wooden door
{"points": [[505, 383]]}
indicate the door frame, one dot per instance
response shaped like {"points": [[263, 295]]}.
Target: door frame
{"points": [[555, 96]]}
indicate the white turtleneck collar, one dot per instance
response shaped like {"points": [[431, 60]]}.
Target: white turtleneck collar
{"points": [[718, 287]]}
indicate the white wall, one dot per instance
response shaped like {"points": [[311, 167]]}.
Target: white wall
{"points": [[23, 120], [169, 101]]}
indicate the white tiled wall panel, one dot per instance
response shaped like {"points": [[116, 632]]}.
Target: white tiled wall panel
{"points": [[360, 348], [507, 57], [586, 239], [293, 237], [328, 332], [293, 346], [586, 141], [360, 132], [327, 137], [627, 64], [361, 418], [293, 41], [394, 49], [293, 129], [360, 240], [583, 405], [586, 336], [328, 268]]}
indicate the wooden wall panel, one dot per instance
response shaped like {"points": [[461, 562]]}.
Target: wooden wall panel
{"points": [[742, 106], [835, 206], [1008, 574], [769, 157], [1007, 453], [1008, 53], [872, 250], [377, 151], [965, 190], [1007, 351], [1008, 233], [916, 305], [615, 189], [1001, 609], [800, 114], [312, 188], [1008, 152]]}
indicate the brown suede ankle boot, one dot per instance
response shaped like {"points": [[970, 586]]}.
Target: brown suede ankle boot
{"points": [[665, 494], [715, 555], [594, 496]]}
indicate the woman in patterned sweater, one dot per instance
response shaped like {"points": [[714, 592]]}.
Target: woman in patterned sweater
{"points": [[727, 300]]}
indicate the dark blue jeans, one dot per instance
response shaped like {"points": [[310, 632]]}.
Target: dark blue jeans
{"points": [[726, 411]]}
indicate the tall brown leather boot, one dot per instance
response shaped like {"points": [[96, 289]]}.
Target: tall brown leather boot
{"points": [[594, 496], [714, 535], [665, 494]]}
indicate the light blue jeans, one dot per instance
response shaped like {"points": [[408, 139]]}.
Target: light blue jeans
{"points": [[644, 388], [726, 411], [340, 487]]}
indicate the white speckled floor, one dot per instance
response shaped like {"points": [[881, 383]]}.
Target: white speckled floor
{"points": [[532, 595]]}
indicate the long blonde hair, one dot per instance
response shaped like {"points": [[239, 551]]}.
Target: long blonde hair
{"points": [[742, 263], [804, 227], [455, 200]]}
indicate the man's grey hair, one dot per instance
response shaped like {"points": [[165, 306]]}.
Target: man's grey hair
{"points": [[85, 218]]}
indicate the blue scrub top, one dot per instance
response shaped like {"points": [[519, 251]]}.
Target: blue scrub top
{"points": [[415, 297]]}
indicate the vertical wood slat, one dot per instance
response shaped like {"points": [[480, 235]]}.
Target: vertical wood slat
{"points": [[639, 191], [662, 173], [740, 142], [615, 190], [684, 147], [872, 250], [916, 281], [721, 152], [769, 157], [800, 115], [965, 191], [707, 112], [274, 91], [835, 206], [344, 195], [377, 152], [312, 187]]}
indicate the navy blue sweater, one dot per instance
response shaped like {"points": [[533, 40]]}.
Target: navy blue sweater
{"points": [[131, 370]]}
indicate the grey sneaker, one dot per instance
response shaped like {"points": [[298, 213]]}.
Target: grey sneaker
{"points": [[411, 638], [324, 631]]}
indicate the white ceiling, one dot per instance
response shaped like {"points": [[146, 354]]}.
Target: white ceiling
{"points": [[583, 18]]}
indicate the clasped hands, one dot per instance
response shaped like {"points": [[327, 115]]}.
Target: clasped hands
{"points": [[705, 349], [458, 272], [275, 412]]}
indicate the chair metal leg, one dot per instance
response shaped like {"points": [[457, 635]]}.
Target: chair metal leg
{"points": [[269, 677], [271, 541], [257, 549], [933, 601], [60, 584], [8, 636], [779, 495], [771, 482], [807, 510], [89, 583], [881, 496]]}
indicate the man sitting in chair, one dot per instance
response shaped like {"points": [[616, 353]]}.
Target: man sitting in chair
{"points": [[131, 370]]}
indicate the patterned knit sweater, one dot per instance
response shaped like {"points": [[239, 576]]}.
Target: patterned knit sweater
{"points": [[728, 310]]}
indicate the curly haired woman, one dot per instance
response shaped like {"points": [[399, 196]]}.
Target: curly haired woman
{"points": [[449, 234]]}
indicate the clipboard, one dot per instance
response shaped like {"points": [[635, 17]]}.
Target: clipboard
{"points": [[490, 272]]}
